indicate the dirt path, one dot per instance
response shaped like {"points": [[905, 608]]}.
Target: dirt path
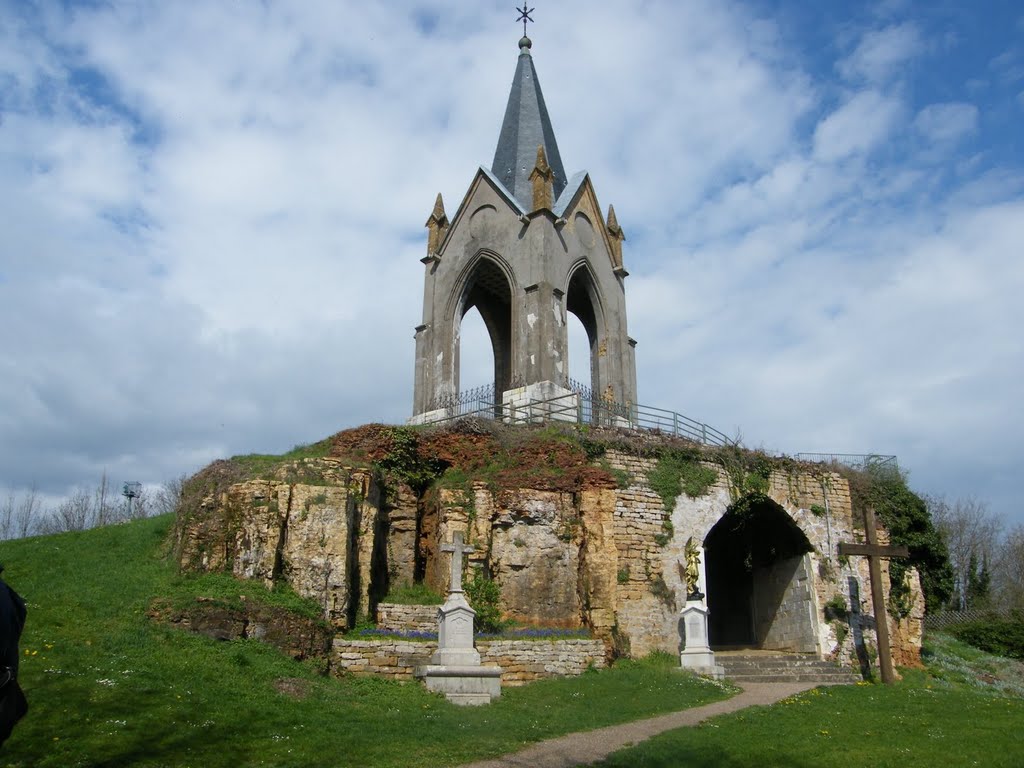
{"points": [[590, 746]]}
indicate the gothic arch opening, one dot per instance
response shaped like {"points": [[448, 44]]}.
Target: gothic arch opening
{"points": [[583, 300], [759, 580], [488, 290], [476, 356], [579, 349]]}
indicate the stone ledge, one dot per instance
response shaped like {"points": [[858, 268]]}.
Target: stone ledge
{"points": [[521, 661]]}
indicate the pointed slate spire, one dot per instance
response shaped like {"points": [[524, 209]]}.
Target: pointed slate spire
{"points": [[526, 126], [437, 226]]}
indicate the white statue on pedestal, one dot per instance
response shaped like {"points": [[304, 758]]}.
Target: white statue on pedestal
{"points": [[696, 654]]}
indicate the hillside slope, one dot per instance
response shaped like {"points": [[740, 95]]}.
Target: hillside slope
{"points": [[108, 686]]}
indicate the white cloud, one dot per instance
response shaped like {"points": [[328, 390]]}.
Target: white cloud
{"points": [[882, 53], [944, 123], [859, 125]]}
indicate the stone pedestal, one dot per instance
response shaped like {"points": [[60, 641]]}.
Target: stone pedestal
{"points": [[697, 654], [540, 402], [429, 417], [455, 669]]}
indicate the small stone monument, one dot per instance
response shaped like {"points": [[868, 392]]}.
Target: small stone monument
{"points": [[455, 668], [696, 654]]}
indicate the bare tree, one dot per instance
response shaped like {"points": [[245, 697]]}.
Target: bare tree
{"points": [[20, 517], [27, 515], [103, 510], [1008, 570], [7, 517], [75, 513], [971, 533], [168, 497]]}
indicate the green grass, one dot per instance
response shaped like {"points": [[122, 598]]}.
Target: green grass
{"points": [[109, 687], [259, 464], [413, 594], [921, 721], [955, 663]]}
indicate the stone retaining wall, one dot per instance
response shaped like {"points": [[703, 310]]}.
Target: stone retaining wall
{"points": [[521, 661], [407, 618]]}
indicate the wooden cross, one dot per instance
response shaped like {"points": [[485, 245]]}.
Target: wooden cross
{"points": [[457, 548], [874, 553]]}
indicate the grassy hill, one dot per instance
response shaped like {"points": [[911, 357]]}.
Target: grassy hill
{"points": [[108, 686]]}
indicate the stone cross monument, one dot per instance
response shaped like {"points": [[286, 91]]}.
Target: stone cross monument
{"points": [[458, 548], [455, 617], [455, 668]]}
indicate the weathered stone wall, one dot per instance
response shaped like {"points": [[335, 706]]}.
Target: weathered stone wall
{"points": [[784, 607], [402, 511], [605, 558], [906, 634], [392, 617], [314, 554], [318, 536], [521, 661], [647, 596], [528, 541], [393, 659]]}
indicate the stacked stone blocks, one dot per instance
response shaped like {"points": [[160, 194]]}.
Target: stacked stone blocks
{"points": [[521, 661]]}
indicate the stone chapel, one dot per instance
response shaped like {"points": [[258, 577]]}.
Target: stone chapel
{"points": [[526, 245]]}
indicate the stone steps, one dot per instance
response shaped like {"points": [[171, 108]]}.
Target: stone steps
{"points": [[783, 668]]}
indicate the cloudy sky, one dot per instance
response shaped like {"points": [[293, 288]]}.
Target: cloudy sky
{"points": [[211, 219]]}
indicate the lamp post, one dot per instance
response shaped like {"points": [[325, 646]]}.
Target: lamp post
{"points": [[130, 491]]}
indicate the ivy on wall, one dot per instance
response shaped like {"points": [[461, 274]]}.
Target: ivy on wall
{"points": [[677, 472], [906, 517]]}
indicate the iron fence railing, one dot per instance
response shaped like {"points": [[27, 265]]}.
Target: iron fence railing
{"points": [[944, 619], [584, 406], [580, 405], [468, 401], [862, 461]]}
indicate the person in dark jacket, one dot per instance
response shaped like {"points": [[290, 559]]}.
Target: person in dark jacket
{"points": [[12, 621]]}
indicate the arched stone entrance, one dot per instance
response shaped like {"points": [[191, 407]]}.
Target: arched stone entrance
{"points": [[488, 290], [583, 299], [759, 580]]}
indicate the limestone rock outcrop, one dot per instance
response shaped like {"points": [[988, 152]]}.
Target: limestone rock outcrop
{"points": [[569, 546]]}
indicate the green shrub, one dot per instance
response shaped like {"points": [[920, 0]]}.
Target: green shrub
{"points": [[484, 596], [998, 636], [835, 608]]}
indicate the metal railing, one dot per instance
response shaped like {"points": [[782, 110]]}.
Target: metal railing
{"points": [[861, 461], [581, 406], [468, 401], [938, 621]]}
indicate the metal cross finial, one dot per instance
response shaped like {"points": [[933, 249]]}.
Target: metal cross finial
{"points": [[524, 16]]}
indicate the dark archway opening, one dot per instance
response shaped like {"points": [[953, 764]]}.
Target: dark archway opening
{"points": [[489, 292], [758, 580]]}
